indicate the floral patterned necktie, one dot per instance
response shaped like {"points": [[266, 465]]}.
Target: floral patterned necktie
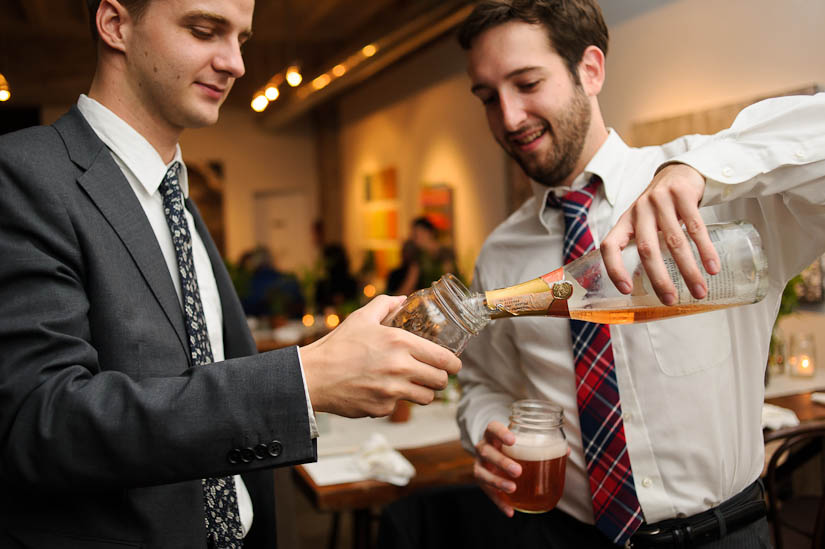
{"points": [[223, 523]]}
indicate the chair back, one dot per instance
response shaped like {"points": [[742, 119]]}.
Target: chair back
{"points": [[787, 512]]}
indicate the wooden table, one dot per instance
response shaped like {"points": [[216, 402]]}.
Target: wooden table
{"points": [[437, 465], [805, 408]]}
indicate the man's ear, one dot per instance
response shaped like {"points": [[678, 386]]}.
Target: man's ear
{"points": [[112, 24], [591, 70]]}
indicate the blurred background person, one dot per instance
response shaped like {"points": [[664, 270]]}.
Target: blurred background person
{"points": [[337, 287], [403, 280], [270, 292]]}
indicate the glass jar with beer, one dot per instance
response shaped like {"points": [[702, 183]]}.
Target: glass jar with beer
{"points": [[541, 450]]}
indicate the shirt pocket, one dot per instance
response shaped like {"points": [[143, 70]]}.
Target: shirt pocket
{"points": [[691, 344]]}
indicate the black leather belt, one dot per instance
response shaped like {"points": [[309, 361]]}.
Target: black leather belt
{"points": [[731, 515]]}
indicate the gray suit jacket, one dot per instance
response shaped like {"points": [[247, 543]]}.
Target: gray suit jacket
{"points": [[105, 430]]}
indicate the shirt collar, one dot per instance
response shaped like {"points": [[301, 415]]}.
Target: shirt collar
{"points": [[606, 162], [131, 148]]}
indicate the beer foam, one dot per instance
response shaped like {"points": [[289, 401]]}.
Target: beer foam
{"points": [[533, 447]]}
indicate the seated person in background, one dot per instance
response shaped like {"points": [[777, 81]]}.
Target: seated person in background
{"points": [[425, 237], [336, 286], [403, 280], [270, 291], [423, 260]]}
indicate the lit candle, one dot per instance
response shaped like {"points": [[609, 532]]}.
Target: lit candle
{"points": [[801, 360]]}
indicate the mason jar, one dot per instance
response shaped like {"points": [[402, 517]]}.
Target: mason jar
{"points": [[445, 313], [541, 450]]}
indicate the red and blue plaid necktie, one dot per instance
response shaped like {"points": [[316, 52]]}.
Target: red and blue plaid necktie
{"points": [[615, 505]]}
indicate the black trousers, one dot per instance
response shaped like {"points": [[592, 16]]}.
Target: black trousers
{"points": [[463, 516]]}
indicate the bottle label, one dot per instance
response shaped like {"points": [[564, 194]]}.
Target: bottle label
{"points": [[721, 286], [541, 303]]}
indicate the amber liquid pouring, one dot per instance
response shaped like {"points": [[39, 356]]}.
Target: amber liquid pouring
{"points": [[641, 314]]}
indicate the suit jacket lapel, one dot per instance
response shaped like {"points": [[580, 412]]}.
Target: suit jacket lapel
{"points": [[107, 187]]}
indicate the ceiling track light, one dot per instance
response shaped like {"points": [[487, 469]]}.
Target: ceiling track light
{"points": [[5, 93], [293, 75]]}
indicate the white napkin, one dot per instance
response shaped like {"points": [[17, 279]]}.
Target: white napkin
{"points": [[377, 460], [775, 417], [819, 398]]}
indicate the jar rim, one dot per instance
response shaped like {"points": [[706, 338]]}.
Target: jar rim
{"points": [[536, 412], [471, 320]]}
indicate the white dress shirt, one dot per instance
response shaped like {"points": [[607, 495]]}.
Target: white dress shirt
{"points": [[692, 387], [144, 170]]}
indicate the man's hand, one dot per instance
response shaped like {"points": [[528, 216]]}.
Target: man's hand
{"points": [[363, 368], [493, 470], [671, 198]]}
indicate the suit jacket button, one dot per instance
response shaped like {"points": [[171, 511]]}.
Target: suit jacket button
{"points": [[234, 456], [247, 455], [275, 448], [261, 451]]}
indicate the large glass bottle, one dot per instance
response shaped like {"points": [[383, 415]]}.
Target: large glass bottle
{"points": [[449, 314], [582, 289]]}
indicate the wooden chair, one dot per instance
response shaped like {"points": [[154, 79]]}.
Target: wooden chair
{"points": [[796, 518]]}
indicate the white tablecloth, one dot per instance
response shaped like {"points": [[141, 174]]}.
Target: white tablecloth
{"points": [[341, 437]]}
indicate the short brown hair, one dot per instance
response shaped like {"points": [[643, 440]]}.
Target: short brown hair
{"points": [[134, 7], [571, 25]]}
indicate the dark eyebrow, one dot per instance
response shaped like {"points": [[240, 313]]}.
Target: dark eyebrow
{"points": [[201, 16], [510, 74]]}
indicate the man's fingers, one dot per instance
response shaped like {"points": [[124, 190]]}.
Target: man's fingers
{"points": [[647, 244], [487, 476], [698, 232], [679, 246], [433, 354], [493, 494], [611, 250]]}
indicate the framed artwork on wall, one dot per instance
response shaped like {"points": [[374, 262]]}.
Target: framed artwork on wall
{"points": [[381, 221], [436, 204]]}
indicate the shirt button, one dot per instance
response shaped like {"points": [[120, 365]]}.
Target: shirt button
{"points": [[647, 483], [800, 154], [628, 417], [727, 171]]}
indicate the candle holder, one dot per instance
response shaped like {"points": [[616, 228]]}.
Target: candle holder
{"points": [[802, 355]]}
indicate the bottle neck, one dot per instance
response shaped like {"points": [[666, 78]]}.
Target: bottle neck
{"points": [[543, 296]]}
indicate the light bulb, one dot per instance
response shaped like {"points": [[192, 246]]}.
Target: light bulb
{"points": [[4, 88], [272, 93], [293, 75], [259, 102]]}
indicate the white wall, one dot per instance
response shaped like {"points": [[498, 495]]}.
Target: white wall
{"points": [[694, 54], [254, 160], [420, 117]]}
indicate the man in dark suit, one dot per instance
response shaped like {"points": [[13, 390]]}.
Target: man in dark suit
{"points": [[116, 427]]}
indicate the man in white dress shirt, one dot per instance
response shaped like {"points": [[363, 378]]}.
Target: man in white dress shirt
{"points": [[109, 300], [691, 388]]}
